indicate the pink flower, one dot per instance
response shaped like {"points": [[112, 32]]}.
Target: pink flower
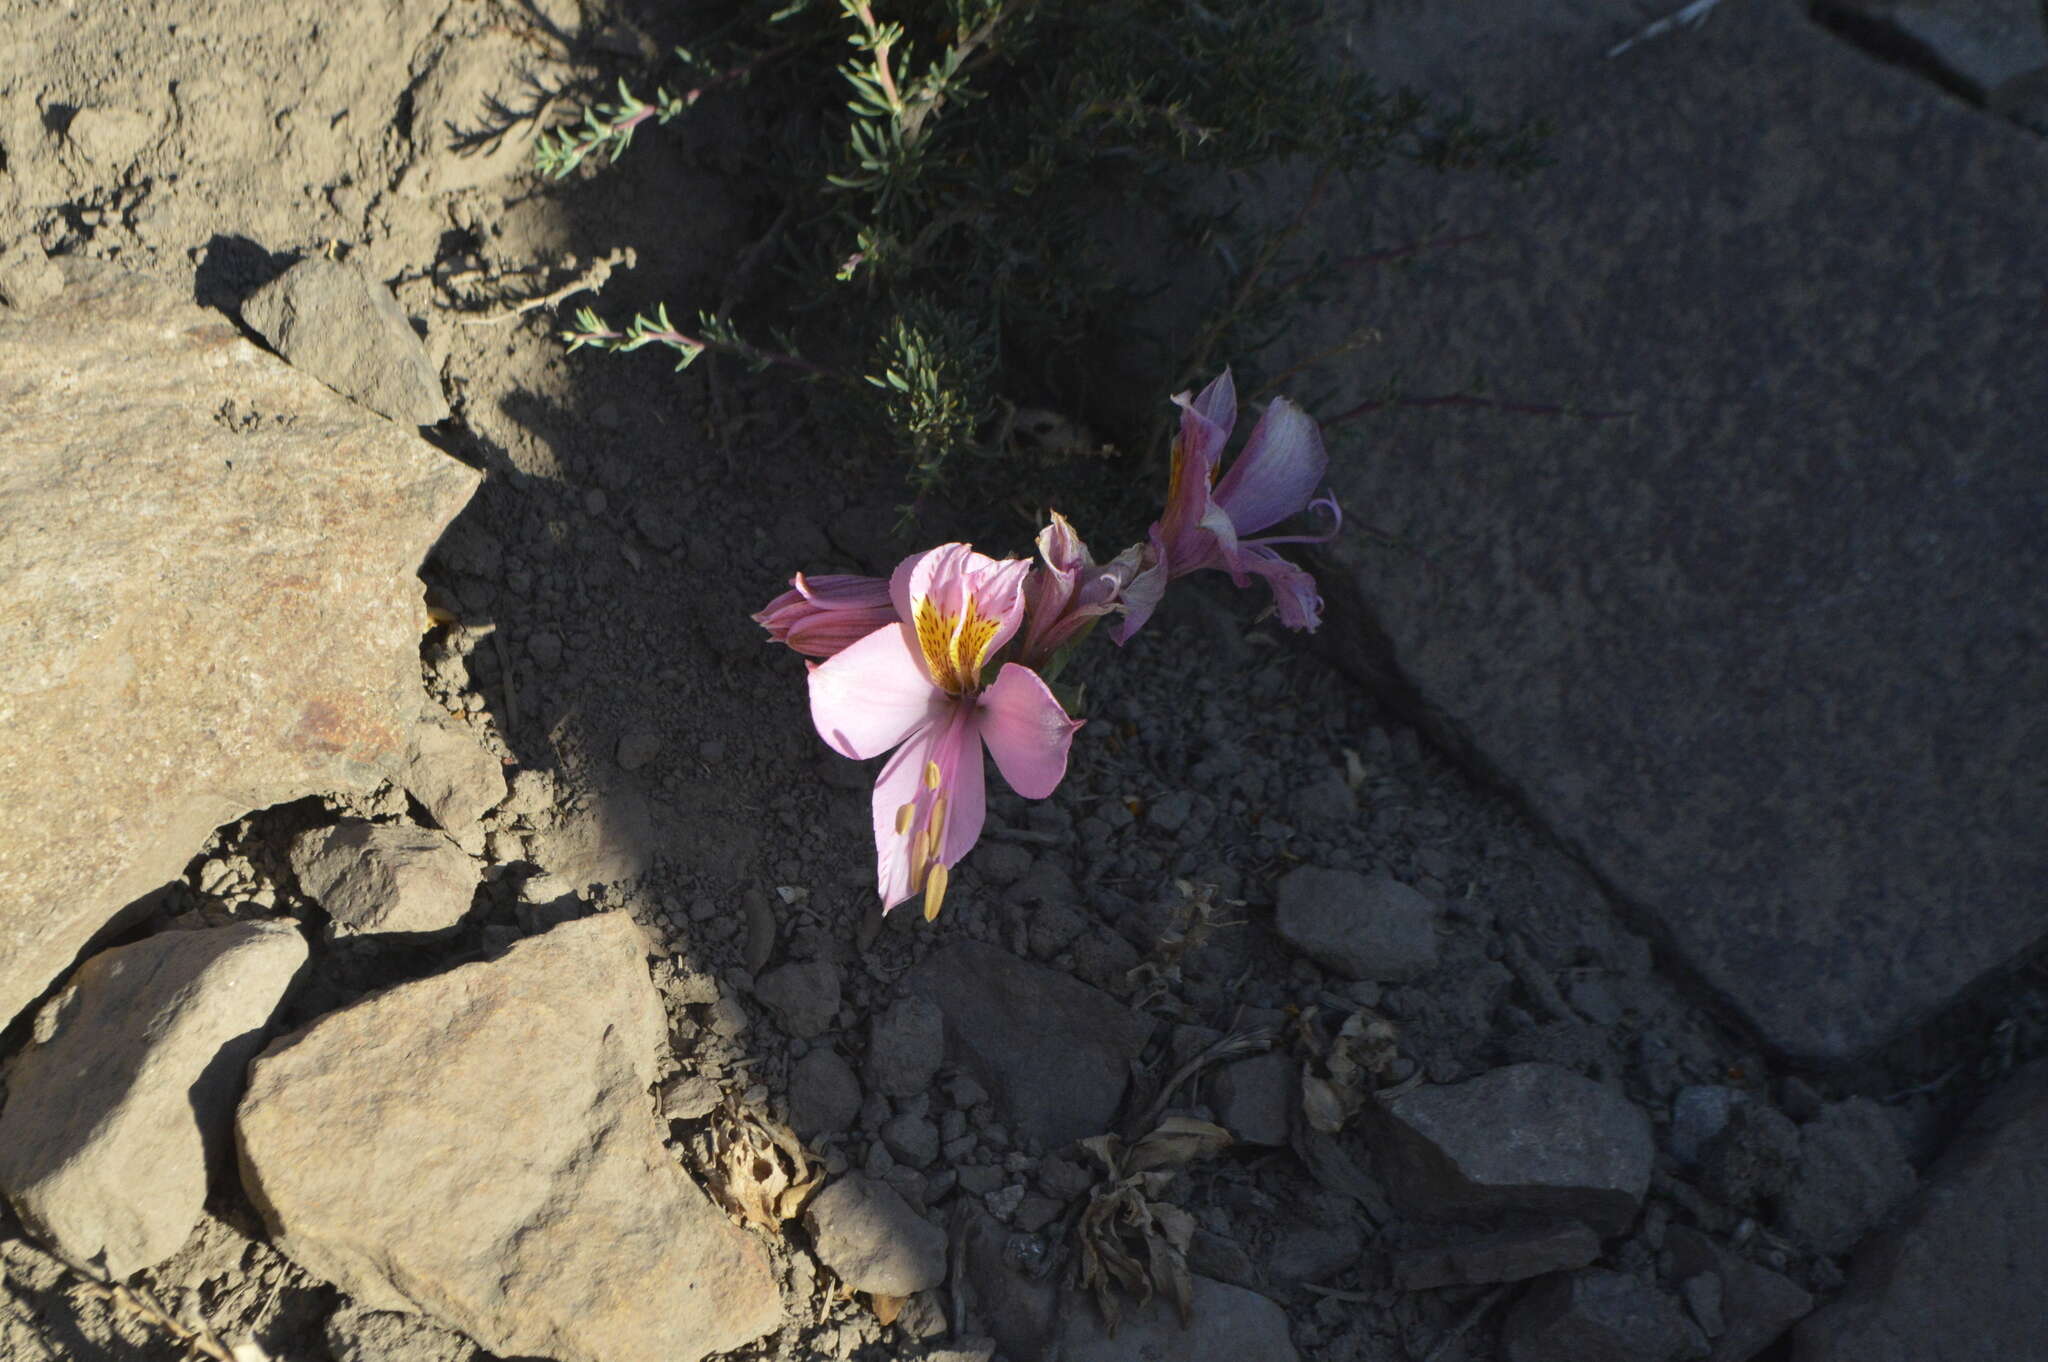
{"points": [[1206, 521], [915, 685], [818, 616], [1064, 598]]}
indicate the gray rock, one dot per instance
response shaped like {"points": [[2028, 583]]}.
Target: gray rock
{"points": [[1313, 1253], [906, 1045], [913, 1139], [824, 1096], [1256, 1098], [872, 1240], [1698, 1114], [130, 595], [1325, 799], [1701, 1293], [1505, 1256], [1599, 1316], [1783, 704], [1022, 1312], [1054, 1051], [385, 877], [344, 328], [1363, 927], [688, 1097], [1963, 1275], [479, 1146], [1001, 862], [355, 1334], [1980, 44], [454, 777], [1170, 812], [1229, 1324], [1529, 1137], [1753, 1157], [803, 995], [1853, 1172], [638, 748], [1757, 1305], [123, 1097]]}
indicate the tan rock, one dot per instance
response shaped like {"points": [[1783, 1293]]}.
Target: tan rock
{"points": [[125, 1092], [454, 777], [481, 1146], [385, 877], [207, 599]]}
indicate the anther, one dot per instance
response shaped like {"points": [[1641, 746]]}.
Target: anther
{"points": [[934, 891]]}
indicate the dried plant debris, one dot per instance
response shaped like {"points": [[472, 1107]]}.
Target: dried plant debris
{"points": [[756, 1168], [1343, 1071], [1196, 917], [1129, 1239]]}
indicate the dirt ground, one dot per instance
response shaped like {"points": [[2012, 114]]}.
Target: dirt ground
{"points": [[600, 585]]}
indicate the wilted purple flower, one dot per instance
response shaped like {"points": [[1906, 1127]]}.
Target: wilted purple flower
{"points": [[1206, 521]]}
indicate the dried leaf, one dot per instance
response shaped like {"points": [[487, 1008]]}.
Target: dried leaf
{"points": [[886, 1308], [1176, 1142], [1326, 1111]]}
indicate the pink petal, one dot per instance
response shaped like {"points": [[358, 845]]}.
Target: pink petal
{"points": [[843, 591], [1217, 403], [1279, 470], [870, 696], [1142, 594], [962, 782], [828, 632], [1294, 589], [901, 782], [947, 742], [899, 581], [1026, 731]]}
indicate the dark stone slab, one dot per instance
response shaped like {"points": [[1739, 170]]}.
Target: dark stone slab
{"points": [[1526, 1139], [1756, 1304], [1055, 1052], [1964, 1275], [1769, 652]]}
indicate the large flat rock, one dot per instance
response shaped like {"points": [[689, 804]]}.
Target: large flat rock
{"points": [[1962, 1276], [480, 1146], [208, 599], [1769, 653], [122, 1100]]}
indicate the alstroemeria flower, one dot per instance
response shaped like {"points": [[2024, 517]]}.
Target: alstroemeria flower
{"points": [[916, 686], [1070, 592], [1206, 521], [818, 616]]}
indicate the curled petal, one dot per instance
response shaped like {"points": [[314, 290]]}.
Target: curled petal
{"points": [[1278, 471], [1294, 591], [1217, 403], [1026, 730], [1143, 592], [818, 616], [872, 695]]}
